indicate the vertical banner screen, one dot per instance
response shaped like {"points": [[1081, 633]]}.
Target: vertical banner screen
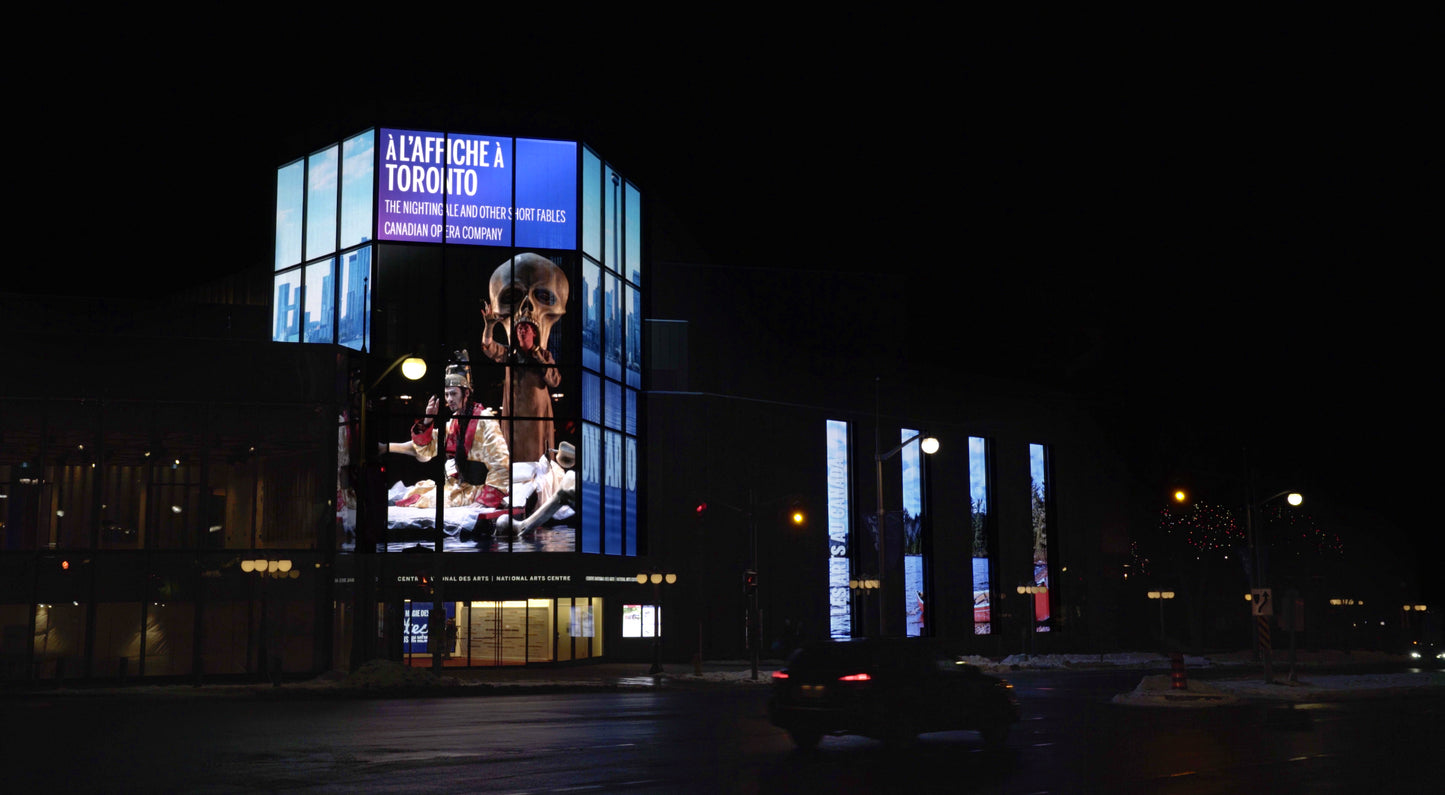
{"points": [[840, 619], [911, 457], [979, 524], [1039, 504]]}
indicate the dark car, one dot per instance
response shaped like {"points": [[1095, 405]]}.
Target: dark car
{"points": [[888, 689]]}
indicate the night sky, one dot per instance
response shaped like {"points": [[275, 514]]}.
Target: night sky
{"points": [[1221, 238]]}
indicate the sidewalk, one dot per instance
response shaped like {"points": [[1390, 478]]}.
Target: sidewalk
{"points": [[1157, 691]]}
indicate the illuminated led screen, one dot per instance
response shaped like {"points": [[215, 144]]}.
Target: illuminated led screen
{"points": [[544, 332], [476, 189], [913, 589], [840, 619], [1039, 499]]}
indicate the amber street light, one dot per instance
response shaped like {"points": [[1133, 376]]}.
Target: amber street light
{"points": [[657, 578], [1030, 591], [1161, 596]]}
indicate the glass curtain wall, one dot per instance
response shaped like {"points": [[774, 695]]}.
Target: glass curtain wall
{"points": [[177, 497]]}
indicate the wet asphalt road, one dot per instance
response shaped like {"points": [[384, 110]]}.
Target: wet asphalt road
{"points": [[711, 739]]}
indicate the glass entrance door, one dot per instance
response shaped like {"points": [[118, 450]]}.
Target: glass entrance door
{"points": [[513, 632]]}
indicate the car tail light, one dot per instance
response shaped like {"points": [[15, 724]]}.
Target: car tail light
{"points": [[780, 674], [855, 678]]}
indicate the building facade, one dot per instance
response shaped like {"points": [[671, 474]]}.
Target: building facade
{"points": [[248, 490]]}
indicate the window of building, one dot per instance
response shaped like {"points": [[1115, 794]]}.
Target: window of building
{"points": [[641, 621]]}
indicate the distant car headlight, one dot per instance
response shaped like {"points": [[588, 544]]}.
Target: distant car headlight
{"points": [[1414, 655], [1440, 656]]}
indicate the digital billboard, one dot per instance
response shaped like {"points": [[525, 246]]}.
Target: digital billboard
{"points": [[1039, 510], [479, 190], [523, 435], [840, 600], [979, 526], [486, 447], [915, 610]]}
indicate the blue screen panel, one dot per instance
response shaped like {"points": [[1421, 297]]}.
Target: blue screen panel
{"points": [[546, 210]]}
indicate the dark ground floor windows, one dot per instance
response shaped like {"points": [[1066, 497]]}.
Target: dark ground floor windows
{"points": [[121, 640]]}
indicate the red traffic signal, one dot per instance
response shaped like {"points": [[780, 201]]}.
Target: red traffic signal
{"points": [[701, 508]]}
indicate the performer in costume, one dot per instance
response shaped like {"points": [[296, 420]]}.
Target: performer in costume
{"points": [[478, 463]]}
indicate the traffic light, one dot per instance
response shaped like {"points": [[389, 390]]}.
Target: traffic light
{"points": [[701, 509], [797, 515], [750, 581]]}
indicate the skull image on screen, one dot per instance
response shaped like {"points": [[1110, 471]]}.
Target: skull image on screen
{"points": [[528, 295], [527, 288]]}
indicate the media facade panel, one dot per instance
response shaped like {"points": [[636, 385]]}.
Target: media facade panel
{"points": [[982, 530], [840, 596], [529, 295], [913, 587], [358, 170], [290, 199], [1039, 510], [321, 198]]}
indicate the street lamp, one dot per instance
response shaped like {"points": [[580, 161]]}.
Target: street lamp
{"points": [[1161, 596], [413, 368], [929, 445], [266, 568], [1295, 499], [657, 578], [863, 586], [798, 517], [1031, 590]]}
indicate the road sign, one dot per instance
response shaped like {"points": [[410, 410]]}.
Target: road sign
{"points": [[1261, 602]]}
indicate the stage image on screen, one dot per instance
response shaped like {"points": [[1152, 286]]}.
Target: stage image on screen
{"points": [[489, 452], [524, 302]]}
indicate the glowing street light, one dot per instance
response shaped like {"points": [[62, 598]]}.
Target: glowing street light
{"points": [[1295, 499], [929, 445], [657, 578], [1161, 596], [1032, 591], [413, 367]]}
